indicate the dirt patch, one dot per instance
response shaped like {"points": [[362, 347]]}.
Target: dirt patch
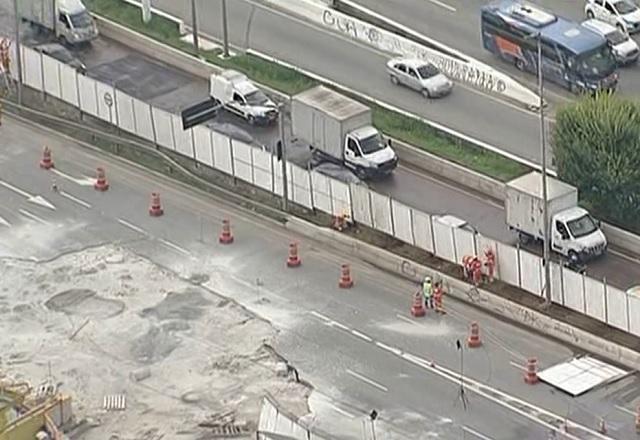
{"points": [[85, 303], [154, 346], [188, 306]]}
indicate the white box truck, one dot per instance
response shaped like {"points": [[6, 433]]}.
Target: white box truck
{"points": [[574, 233], [340, 129], [69, 20]]}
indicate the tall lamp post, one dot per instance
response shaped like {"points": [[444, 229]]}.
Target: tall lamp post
{"points": [[225, 30], [194, 24], [546, 251], [18, 54]]}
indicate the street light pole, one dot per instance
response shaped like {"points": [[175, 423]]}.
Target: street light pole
{"points": [[194, 25], [283, 159], [18, 54], [546, 257], [225, 30]]}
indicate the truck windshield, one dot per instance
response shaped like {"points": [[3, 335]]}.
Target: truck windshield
{"points": [[371, 144], [582, 226], [616, 37], [257, 98], [80, 20]]}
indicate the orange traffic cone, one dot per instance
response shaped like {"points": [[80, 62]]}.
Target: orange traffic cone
{"points": [[101, 180], [225, 236], [417, 308], [346, 281], [531, 373], [155, 209], [474, 336], [46, 162], [293, 260]]}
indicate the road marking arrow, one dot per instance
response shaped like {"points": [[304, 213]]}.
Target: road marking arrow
{"points": [[38, 200], [85, 181]]}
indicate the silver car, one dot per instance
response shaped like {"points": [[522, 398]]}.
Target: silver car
{"points": [[421, 76]]}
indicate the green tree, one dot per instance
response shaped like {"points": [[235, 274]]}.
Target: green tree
{"points": [[596, 145]]}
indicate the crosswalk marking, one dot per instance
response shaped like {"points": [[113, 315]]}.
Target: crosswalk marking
{"points": [[114, 402]]}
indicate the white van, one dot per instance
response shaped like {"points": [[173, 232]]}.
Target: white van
{"points": [[624, 49], [69, 19]]}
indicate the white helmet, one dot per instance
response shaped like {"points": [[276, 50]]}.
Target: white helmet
{"points": [[427, 280]]}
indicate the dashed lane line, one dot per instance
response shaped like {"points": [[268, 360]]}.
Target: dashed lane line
{"points": [[366, 380], [361, 335], [75, 199], [33, 216], [475, 433], [131, 226], [175, 247], [4, 222]]}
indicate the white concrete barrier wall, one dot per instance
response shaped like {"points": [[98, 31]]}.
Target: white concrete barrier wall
{"points": [[402, 222], [51, 76], [634, 314], [277, 178], [361, 202], [126, 117], [509, 264], [341, 197], [243, 168], [105, 100], [163, 128], [203, 145], [68, 85], [422, 230], [32, 68], [594, 296], [143, 118], [557, 287], [444, 241], [465, 242], [530, 272], [573, 290], [262, 169], [222, 156], [183, 138], [617, 308], [381, 208], [302, 190], [87, 95], [321, 192]]}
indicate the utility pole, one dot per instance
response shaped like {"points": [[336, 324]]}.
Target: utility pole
{"points": [[225, 30], [283, 159], [18, 54], [546, 257], [194, 25]]}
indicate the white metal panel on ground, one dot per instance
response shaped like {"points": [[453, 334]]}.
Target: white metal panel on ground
{"points": [[465, 243], [32, 68], [444, 241], [361, 204], [262, 175], [381, 207], [144, 120], [106, 101], [617, 308], [594, 294], [509, 264], [222, 158], [573, 289], [87, 94], [203, 147], [277, 178], [164, 130], [69, 85], [341, 198], [268, 416], [243, 167], [126, 118], [580, 375], [634, 314], [557, 296], [183, 138], [402, 222], [531, 272], [422, 230], [51, 74], [321, 192], [301, 179], [482, 245]]}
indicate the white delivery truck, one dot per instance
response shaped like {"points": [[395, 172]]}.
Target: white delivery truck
{"points": [[574, 233], [240, 96], [340, 129], [68, 19]]}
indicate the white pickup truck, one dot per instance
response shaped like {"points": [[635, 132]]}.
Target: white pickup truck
{"points": [[68, 19], [240, 96]]}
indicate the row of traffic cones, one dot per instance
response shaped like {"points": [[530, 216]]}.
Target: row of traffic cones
{"points": [[101, 183]]}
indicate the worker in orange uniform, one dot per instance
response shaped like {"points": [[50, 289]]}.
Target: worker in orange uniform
{"points": [[438, 294]]}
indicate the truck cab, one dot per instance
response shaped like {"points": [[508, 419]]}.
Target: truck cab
{"points": [[75, 25], [577, 235], [366, 153], [241, 97]]}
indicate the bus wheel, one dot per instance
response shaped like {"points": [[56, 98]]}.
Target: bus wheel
{"points": [[519, 64]]}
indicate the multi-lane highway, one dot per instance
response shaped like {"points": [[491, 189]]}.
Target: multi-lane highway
{"points": [[358, 347]]}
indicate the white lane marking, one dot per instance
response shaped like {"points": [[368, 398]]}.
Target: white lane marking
{"points": [[320, 315], [476, 433], [85, 181], [4, 222], [337, 324], [388, 348], [518, 366], [15, 189], [365, 379], [32, 216], [75, 199], [132, 226], [623, 409], [341, 411], [404, 318], [361, 335], [175, 247], [443, 5], [38, 200]]}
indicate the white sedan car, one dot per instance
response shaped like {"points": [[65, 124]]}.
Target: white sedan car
{"points": [[419, 75], [624, 14]]}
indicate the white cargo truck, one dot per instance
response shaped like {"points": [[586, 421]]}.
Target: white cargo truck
{"points": [[240, 96], [69, 20], [340, 129], [574, 233]]}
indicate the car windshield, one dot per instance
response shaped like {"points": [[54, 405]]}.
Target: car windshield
{"points": [[428, 71], [371, 144], [582, 226], [257, 98], [616, 37], [597, 63], [80, 20], [624, 7]]}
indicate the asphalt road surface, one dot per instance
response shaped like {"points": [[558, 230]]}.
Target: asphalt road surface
{"points": [[363, 69], [359, 347]]}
